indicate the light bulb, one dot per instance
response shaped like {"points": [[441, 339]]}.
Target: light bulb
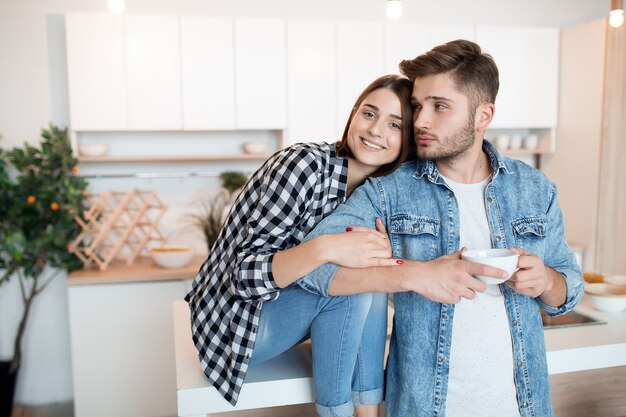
{"points": [[394, 9], [616, 18], [117, 6]]}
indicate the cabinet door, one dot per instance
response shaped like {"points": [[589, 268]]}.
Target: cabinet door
{"points": [[260, 73], [96, 75], [528, 62], [153, 68], [311, 81], [208, 80], [360, 60], [406, 41]]}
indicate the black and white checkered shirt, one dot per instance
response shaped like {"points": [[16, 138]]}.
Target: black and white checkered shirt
{"points": [[283, 200]]}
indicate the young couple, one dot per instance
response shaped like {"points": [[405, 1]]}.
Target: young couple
{"points": [[292, 263]]}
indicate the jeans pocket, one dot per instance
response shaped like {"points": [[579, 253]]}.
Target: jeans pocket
{"points": [[530, 233], [414, 234]]}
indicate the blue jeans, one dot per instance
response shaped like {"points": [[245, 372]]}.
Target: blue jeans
{"points": [[348, 337]]}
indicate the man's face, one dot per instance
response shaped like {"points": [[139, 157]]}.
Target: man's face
{"points": [[444, 127]]}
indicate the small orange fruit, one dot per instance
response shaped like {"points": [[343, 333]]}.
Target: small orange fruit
{"points": [[54, 206], [31, 199], [75, 169]]}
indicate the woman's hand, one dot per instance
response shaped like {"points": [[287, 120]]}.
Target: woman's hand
{"points": [[359, 247]]}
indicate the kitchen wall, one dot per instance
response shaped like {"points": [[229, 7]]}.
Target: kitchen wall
{"points": [[33, 92]]}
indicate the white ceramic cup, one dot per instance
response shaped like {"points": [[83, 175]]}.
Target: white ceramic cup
{"points": [[531, 142], [504, 259], [502, 142], [516, 142]]}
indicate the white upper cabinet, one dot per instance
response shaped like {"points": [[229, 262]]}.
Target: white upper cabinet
{"points": [[406, 41], [528, 62], [360, 60], [153, 70], [96, 73], [311, 80], [208, 74], [260, 73]]}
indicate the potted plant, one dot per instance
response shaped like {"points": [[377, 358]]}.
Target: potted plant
{"points": [[40, 196], [213, 211]]}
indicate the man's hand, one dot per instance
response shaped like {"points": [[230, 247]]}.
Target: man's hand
{"points": [[532, 277], [447, 279]]}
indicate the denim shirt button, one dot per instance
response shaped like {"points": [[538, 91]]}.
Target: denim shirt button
{"points": [[437, 400], [440, 358], [489, 199], [445, 317], [514, 322], [519, 364], [498, 238], [524, 405]]}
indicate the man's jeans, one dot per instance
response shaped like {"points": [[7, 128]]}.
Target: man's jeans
{"points": [[348, 335]]}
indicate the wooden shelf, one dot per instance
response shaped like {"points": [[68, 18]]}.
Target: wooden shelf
{"points": [[536, 151], [180, 158]]}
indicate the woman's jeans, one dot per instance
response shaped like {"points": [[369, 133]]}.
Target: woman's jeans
{"points": [[348, 335]]}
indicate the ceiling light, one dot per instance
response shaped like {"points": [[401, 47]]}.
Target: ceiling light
{"points": [[117, 6], [616, 15], [394, 9]]}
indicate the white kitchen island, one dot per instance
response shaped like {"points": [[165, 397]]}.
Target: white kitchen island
{"points": [[570, 349], [591, 346]]}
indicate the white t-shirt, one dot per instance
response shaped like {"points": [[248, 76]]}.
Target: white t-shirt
{"points": [[481, 381]]}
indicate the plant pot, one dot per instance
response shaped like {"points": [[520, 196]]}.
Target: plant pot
{"points": [[7, 388]]}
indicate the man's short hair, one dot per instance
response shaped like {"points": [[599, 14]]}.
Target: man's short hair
{"points": [[474, 72]]}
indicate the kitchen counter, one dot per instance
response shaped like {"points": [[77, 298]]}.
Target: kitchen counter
{"points": [[142, 270], [580, 348]]}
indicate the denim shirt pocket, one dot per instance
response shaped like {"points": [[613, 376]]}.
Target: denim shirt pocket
{"points": [[530, 233], [414, 236]]}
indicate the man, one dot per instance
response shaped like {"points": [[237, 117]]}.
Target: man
{"points": [[460, 347]]}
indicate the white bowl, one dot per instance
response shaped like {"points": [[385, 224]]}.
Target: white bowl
{"points": [[171, 256], [255, 147], [499, 258], [615, 279], [92, 149], [606, 297]]}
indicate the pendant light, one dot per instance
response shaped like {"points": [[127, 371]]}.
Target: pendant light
{"points": [[616, 15], [394, 9]]}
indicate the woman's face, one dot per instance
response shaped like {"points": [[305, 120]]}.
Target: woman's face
{"points": [[375, 133]]}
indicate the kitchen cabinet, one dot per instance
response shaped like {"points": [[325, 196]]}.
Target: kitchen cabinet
{"points": [[153, 71], [208, 80], [123, 72], [406, 41], [311, 79], [360, 60], [528, 62], [260, 73], [96, 71], [122, 338]]}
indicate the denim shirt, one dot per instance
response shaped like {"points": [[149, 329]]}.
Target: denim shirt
{"points": [[422, 218]]}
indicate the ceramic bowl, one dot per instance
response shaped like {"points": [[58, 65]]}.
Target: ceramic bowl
{"points": [[499, 258], [615, 279], [606, 297], [92, 149], [255, 147], [171, 256]]}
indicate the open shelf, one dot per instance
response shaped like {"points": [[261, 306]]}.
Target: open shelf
{"points": [[177, 158]]}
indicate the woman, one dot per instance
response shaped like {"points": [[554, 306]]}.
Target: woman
{"points": [[239, 318]]}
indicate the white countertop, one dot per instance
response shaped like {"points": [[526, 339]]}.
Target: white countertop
{"points": [[580, 348]]}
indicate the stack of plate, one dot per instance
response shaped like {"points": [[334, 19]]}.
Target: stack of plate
{"points": [[609, 295]]}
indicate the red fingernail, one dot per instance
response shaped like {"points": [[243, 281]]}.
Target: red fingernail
{"points": [[348, 229], [399, 261]]}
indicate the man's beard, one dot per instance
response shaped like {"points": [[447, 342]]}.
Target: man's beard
{"points": [[451, 148]]}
